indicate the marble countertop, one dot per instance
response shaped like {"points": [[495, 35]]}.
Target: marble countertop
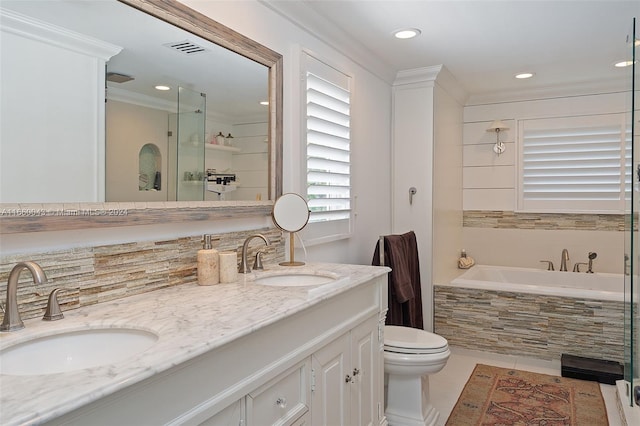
{"points": [[189, 319]]}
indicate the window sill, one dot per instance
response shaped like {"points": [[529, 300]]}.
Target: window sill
{"points": [[325, 240]]}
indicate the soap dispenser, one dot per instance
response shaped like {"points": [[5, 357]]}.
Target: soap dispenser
{"points": [[208, 266]]}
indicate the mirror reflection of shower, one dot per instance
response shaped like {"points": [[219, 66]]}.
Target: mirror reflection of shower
{"points": [[197, 156], [186, 166]]}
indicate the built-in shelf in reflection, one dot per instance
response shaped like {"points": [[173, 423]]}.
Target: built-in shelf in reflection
{"points": [[221, 147]]}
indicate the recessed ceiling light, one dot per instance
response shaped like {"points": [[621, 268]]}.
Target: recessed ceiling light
{"points": [[161, 87], [524, 75], [623, 64], [406, 33], [264, 103]]}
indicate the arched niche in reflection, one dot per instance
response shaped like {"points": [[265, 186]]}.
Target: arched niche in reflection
{"points": [[149, 166]]}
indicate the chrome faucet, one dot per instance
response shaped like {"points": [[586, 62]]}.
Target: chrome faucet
{"points": [[12, 321], [563, 261], [244, 266]]}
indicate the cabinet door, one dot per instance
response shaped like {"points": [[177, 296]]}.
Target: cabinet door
{"points": [[365, 353], [331, 386]]}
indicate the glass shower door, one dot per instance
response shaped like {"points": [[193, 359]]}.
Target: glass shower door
{"points": [[190, 130], [631, 260]]}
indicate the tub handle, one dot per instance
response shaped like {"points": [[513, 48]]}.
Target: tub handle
{"points": [[576, 267], [549, 265]]}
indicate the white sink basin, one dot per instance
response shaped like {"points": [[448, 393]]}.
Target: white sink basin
{"points": [[74, 350], [295, 280]]}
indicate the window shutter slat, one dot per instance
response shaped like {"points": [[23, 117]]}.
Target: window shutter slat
{"points": [[569, 161], [328, 124]]}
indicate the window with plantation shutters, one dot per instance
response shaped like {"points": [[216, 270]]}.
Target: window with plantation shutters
{"points": [[575, 164], [328, 140]]}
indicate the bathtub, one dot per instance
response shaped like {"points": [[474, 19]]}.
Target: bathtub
{"points": [[533, 312], [597, 286]]}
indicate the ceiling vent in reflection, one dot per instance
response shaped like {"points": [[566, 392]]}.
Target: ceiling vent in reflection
{"points": [[118, 78], [187, 47]]}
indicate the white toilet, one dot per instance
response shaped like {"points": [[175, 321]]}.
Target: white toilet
{"points": [[410, 356]]}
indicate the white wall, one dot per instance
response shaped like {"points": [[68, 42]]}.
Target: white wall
{"points": [[447, 189], [129, 128], [371, 112], [40, 163], [489, 183]]}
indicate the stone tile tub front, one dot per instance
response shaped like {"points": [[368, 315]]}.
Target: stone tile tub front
{"points": [[529, 312]]}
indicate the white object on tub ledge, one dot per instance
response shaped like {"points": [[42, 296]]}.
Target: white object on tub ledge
{"points": [[597, 286], [466, 262]]}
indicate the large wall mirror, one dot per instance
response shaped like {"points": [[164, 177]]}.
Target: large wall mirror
{"points": [[83, 120]]}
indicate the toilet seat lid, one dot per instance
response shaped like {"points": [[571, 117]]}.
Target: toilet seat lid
{"points": [[412, 339]]}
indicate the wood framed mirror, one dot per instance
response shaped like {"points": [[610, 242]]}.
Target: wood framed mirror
{"points": [[35, 216]]}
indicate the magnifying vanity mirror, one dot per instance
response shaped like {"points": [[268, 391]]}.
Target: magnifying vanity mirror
{"points": [[57, 129], [291, 214]]}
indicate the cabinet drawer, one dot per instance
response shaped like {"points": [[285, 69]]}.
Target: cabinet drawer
{"points": [[280, 401]]}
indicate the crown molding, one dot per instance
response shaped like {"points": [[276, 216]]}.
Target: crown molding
{"points": [[417, 75], [126, 96], [34, 29], [307, 19], [434, 75], [556, 91]]}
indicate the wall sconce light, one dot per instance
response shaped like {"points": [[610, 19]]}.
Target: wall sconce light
{"points": [[497, 126]]}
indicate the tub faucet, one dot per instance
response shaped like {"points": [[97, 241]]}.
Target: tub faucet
{"points": [[592, 255], [244, 266], [12, 321], [563, 261]]}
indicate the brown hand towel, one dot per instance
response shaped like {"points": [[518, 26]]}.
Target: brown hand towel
{"points": [[404, 280], [398, 255]]}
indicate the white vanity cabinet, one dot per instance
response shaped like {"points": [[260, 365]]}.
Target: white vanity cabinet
{"points": [[321, 364], [345, 376]]}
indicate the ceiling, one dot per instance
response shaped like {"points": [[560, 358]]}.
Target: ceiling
{"points": [[568, 44], [485, 43]]}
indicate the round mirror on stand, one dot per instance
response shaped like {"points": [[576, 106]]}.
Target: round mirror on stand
{"points": [[291, 214]]}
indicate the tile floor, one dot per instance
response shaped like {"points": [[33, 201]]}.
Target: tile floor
{"points": [[447, 385]]}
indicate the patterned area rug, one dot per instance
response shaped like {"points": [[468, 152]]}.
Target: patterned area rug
{"points": [[496, 396]]}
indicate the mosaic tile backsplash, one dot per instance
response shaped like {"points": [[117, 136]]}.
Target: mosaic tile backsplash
{"points": [[533, 325], [550, 221], [91, 275]]}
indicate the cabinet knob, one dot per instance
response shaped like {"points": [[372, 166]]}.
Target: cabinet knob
{"points": [[348, 379], [281, 402], [355, 372]]}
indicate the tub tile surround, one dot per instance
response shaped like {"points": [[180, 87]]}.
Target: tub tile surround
{"points": [[191, 320], [91, 275], [530, 325], [524, 239], [499, 219]]}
